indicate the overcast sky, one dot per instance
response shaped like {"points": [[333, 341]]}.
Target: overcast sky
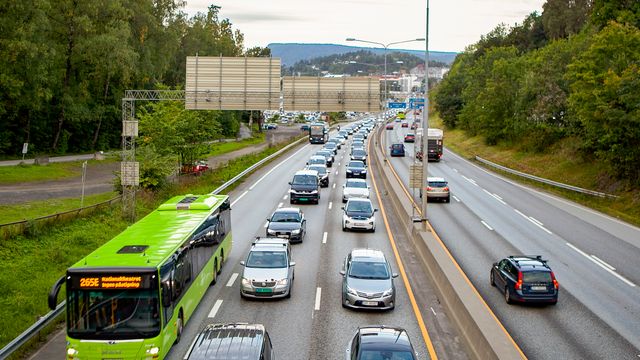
{"points": [[454, 24]]}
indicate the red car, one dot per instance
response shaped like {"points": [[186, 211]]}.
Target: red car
{"points": [[389, 127], [409, 138], [404, 124], [197, 168]]}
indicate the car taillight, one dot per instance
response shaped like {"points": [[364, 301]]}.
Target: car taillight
{"points": [[429, 188], [446, 188], [555, 282], [519, 283]]}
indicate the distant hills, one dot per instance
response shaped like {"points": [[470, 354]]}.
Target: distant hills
{"points": [[290, 53]]}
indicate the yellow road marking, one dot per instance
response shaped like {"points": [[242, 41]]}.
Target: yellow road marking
{"points": [[405, 279]]}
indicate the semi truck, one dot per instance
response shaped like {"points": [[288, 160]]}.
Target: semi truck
{"points": [[435, 141]]}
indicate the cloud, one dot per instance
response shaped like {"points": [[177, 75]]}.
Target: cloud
{"points": [[246, 17]]}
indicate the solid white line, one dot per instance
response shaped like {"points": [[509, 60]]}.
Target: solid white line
{"points": [[280, 205], [603, 262], [275, 167], [318, 295], [239, 197], [232, 279], [456, 170], [602, 266], [433, 311], [285, 197], [486, 191], [215, 308], [330, 204], [521, 214], [334, 185], [455, 198], [324, 237], [498, 198], [487, 225], [470, 180], [535, 220], [266, 224]]}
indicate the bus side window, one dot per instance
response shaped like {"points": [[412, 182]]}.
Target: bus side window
{"points": [[167, 304]]}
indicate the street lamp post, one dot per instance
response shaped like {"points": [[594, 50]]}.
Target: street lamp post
{"points": [[385, 46], [425, 125]]}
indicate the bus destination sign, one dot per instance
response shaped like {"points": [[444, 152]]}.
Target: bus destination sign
{"points": [[110, 282]]}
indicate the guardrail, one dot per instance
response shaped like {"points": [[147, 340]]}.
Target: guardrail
{"points": [[52, 315], [19, 227], [546, 181]]}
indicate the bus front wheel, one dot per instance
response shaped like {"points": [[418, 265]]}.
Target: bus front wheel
{"points": [[179, 327]]}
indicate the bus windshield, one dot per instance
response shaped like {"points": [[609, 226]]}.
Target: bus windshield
{"points": [[113, 314]]}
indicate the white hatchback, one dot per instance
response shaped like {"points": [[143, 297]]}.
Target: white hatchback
{"points": [[359, 214], [355, 188]]}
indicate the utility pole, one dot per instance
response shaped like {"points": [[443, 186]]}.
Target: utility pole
{"points": [[425, 127]]}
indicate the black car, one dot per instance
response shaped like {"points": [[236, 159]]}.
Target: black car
{"points": [[356, 168], [358, 154], [331, 147], [288, 223], [328, 155], [305, 186], [525, 279], [232, 341], [380, 342]]}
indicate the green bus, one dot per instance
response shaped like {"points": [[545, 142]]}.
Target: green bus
{"points": [[130, 298]]}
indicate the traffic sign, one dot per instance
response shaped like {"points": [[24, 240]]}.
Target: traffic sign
{"points": [[397, 105], [416, 103]]}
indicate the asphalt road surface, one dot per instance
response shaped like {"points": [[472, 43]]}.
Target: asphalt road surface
{"points": [[594, 257]]}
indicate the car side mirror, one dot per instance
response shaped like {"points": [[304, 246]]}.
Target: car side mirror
{"points": [[269, 220], [242, 262], [289, 182], [375, 210], [342, 207], [344, 186], [368, 187], [343, 273], [293, 263], [394, 275]]}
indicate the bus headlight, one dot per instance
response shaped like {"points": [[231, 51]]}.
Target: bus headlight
{"points": [[154, 352], [72, 353]]}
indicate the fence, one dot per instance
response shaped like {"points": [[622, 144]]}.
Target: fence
{"points": [[546, 181]]}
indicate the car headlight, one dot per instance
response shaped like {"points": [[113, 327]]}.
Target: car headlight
{"points": [[348, 170], [246, 282], [296, 231], [314, 191], [291, 191], [269, 231], [388, 292], [282, 282], [364, 170], [351, 291]]}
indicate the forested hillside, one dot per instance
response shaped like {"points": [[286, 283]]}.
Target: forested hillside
{"points": [[572, 72], [64, 65]]}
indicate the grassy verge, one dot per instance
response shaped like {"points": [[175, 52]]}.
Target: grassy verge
{"points": [[561, 162], [226, 147], [55, 248], [53, 171], [34, 209]]}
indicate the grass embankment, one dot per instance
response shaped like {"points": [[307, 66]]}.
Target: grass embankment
{"points": [[35, 209], [562, 162], [31, 264], [220, 148], [52, 171]]}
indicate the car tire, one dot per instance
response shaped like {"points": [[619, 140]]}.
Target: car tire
{"points": [[288, 296], [507, 295], [492, 279], [554, 302], [344, 228], [291, 201], [448, 199]]}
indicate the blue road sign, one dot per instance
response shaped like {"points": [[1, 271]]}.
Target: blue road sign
{"points": [[416, 103], [397, 105]]}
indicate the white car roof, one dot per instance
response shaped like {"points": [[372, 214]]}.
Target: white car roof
{"points": [[436, 179]]}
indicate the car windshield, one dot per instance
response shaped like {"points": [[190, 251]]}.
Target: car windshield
{"points": [[322, 160], [359, 153], [320, 169], [267, 259], [357, 184], [330, 145], [385, 355], [438, 184], [356, 164], [359, 206], [305, 180], [397, 146], [536, 276], [286, 217], [368, 270], [324, 153]]}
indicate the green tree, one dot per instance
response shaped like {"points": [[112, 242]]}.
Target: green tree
{"points": [[605, 96], [562, 18]]}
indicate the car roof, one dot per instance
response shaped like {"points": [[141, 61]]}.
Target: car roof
{"points": [[436, 179], [317, 157], [225, 341], [387, 337], [356, 161], [369, 254], [306, 172], [287, 210], [530, 263], [359, 200], [356, 180]]}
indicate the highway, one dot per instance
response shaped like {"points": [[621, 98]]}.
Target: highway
{"points": [[313, 324], [594, 257]]}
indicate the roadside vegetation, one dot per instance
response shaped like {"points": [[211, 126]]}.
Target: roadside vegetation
{"points": [[25, 286], [560, 163], [52, 171], [220, 148]]}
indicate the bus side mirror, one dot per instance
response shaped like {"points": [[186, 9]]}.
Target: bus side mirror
{"points": [[166, 295], [52, 299]]}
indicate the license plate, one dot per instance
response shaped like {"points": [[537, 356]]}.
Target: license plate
{"points": [[303, 199], [264, 290], [370, 303], [538, 288], [283, 236]]}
